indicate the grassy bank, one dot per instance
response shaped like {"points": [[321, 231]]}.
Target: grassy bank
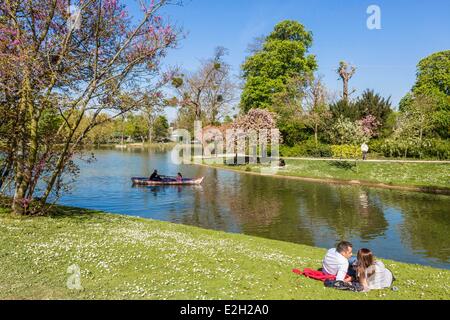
{"points": [[128, 258], [425, 176]]}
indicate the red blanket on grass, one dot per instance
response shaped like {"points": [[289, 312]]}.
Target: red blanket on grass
{"points": [[314, 274]]}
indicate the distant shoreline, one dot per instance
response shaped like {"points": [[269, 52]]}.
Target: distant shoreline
{"points": [[354, 182]]}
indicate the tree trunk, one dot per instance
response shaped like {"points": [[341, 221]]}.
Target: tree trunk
{"points": [[150, 135], [150, 122], [57, 172], [5, 170], [345, 92], [23, 174], [316, 134], [62, 159]]}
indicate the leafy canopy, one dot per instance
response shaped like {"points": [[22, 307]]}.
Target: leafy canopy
{"points": [[282, 57], [433, 82]]}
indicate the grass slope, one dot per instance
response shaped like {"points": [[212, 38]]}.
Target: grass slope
{"points": [[130, 258], [421, 175]]}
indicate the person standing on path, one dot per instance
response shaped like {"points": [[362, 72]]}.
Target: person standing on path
{"points": [[364, 150]]}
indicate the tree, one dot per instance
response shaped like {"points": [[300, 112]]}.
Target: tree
{"points": [[345, 109], [51, 68], [208, 92], [417, 116], [256, 119], [252, 122], [433, 81], [227, 120], [101, 134], [288, 106], [161, 129], [152, 105], [318, 112], [282, 58], [413, 129], [345, 131], [371, 104], [346, 72], [369, 125], [136, 127]]}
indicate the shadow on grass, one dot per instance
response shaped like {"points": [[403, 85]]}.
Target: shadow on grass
{"points": [[345, 165], [56, 212], [80, 214]]}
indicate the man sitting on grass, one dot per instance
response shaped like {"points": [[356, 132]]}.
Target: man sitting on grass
{"points": [[339, 262]]}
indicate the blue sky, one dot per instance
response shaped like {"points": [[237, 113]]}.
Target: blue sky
{"points": [[386, 59]]}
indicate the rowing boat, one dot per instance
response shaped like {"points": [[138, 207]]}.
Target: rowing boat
{"points": [[166, 182]]}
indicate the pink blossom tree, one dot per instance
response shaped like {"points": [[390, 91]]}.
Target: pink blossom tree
{"points": [[56, 68], [250, 126], [369, 126]]}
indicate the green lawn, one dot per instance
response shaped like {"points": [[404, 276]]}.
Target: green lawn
{"points": [[420, 175], [129, 258]]}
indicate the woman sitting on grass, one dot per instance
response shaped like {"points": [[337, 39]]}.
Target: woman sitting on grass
{"points": [[372, 273]]}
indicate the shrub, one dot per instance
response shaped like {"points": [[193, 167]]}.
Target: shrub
{"points": [[320, 151], [346, 151], [429, 148], [307, 149], [376, 146], [439, 149], [344, 131], [295, 151]]}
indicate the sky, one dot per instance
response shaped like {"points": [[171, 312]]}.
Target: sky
{"points": [[386, 59]]}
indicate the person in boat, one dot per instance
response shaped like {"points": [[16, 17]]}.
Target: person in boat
{"points": [[155, 176], [179, 177]]}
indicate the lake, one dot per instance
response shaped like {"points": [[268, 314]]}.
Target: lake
{"points": [[404, 226]]}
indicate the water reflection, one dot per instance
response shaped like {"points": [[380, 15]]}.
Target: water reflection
{"points": [[404, 226], [426, 222]]}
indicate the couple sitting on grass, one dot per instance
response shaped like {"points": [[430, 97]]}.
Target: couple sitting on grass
{"points": [[363, 273]]}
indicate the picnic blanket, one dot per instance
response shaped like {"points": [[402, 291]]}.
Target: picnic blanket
{"points": [[314, 274]]}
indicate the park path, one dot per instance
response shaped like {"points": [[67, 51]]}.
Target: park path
{"points": [[374, 160], [334, 159]]}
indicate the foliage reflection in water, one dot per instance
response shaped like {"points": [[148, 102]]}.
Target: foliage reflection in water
{"points": [[404, 226]]}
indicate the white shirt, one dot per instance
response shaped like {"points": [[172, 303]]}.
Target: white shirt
{"points": [[364, 148], [335, 264], [381, 277]]}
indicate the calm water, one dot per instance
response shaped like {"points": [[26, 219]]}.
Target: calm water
{"points": [[404, 226]]}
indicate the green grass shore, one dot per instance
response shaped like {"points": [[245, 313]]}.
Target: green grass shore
{"points": [[122, 257], [428, 177]]}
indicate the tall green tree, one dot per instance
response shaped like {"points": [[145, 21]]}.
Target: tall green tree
{"points": [[433, 82], [161, 128], [345, 109], [369, 104], [269, 71], [373, 104], [136, 127], [414, 127]]}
